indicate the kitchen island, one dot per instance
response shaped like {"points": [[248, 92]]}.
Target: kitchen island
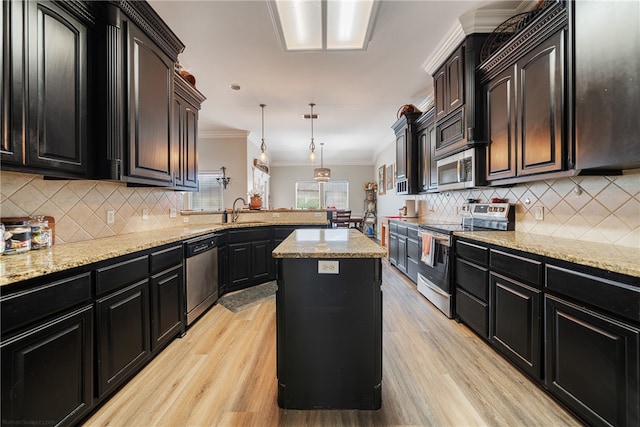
{"points": [[329, 320]]}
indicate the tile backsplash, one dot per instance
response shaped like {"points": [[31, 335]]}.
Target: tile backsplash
{"points": [[593, 208], [80, 206]]}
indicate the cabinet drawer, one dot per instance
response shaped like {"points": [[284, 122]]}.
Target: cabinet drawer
{"points": [[524, 269], [412, 232], [393, 228], [240, 236], [402, 230], [473, 279], [119, 275], [162, 260], [615, 297], [20, 309], [473, 312], [475, 253]]}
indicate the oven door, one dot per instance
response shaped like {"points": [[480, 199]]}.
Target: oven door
{"points": [[434, 281]]}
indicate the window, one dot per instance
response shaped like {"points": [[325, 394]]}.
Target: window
{"points": [[334, 194], [209, 197], [307, 195]]}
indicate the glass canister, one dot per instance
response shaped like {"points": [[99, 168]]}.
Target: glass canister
{"points": [[40, 233], [17, 237]]}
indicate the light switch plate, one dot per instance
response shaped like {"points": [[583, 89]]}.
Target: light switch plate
{"points": [[328, 267], [145, 213], [538, 211]]}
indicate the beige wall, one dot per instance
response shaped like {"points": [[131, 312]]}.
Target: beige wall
{"points": [[606, 210], [283, 180]]}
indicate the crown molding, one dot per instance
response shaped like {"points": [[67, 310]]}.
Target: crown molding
{"points": [[213, 134], [476, 21]]}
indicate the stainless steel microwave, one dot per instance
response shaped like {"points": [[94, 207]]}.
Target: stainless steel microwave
{"points": [[461, 170]]}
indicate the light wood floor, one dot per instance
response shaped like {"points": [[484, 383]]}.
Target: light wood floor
{"points": [[435, 373]]}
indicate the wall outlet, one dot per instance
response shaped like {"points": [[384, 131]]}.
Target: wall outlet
{"points": [[111, 217], [538, 212], [145, 213], [318, 214], [276, 214], [173, 213], [185, 219]]}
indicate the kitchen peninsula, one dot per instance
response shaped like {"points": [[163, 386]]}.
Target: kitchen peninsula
{"points": [[329, 320]]}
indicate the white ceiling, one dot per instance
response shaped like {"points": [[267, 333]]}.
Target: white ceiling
{"points": [[357, 93]]}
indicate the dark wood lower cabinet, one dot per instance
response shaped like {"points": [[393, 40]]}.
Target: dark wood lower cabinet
{"points": [[592, 363], [47, 371], [515, 326], [123, 335], [167, 306]]}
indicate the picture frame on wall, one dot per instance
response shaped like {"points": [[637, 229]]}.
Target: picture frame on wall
{"points": [[390, 175], [382, 180]]}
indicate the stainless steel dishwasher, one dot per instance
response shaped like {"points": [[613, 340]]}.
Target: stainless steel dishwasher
{"points": [[201, 256]]}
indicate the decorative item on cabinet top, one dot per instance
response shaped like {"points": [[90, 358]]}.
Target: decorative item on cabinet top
{"points": [[407, 108]]}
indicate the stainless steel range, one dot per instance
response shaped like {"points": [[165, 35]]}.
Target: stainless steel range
{"points": [[436, 261]]}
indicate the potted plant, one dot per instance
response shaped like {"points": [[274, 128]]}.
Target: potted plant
{"points": [[255, 198]]}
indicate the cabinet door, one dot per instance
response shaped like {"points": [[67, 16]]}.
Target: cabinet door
{"points": [[433, 169], [402, 254], [401, 155], [123, 335], [592, 363], [439, 89], [393, 249], [454, 90], [12, 103], [501, 147], [223, 270], [47, 372], [413, 259], [150, 107], [514, 326], [239, 265], [541, 120], [185, 130], [424, 160], [167, 306], [57, 90], [261, 260]]}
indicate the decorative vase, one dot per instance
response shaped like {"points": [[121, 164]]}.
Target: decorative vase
{"points": [[255, 202]]}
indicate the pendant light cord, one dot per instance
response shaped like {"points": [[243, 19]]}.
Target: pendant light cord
{"points": [[312, 146], [263, 146]]}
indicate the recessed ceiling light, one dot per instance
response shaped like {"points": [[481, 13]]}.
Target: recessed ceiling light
{"points": [[234, 86], [323, 24]]}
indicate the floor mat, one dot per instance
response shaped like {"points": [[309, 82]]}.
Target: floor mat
{"points": [[240, 300]]}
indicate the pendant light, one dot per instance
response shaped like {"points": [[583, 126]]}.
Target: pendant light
{"points": [[322, 174], [263, 159], [312, 145]]}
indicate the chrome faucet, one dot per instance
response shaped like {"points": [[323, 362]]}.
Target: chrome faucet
{"points": [[234, 212]]}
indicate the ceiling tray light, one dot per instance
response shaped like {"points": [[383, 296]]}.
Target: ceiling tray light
{"points": [[323, 24]]}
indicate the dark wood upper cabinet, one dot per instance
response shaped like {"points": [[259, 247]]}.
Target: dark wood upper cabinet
{"points": [[407, 168], [426, 155], [140, 53], [525, 98], [458, 106], [606, 42], [46, 113], [187, 102]]}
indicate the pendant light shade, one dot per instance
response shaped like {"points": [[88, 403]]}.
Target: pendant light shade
{"points": [[263, 159], [322, 174]]}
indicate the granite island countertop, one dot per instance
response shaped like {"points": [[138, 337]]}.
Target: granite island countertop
{"points": [[615, 258], [328, 243], [35, 263]]}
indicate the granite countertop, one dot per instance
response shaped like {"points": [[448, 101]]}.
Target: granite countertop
{"points": [[618, 259], [329, 243], [18, 267]]}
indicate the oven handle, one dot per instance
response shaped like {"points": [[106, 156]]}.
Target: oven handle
{"points": [[445, 240]]}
